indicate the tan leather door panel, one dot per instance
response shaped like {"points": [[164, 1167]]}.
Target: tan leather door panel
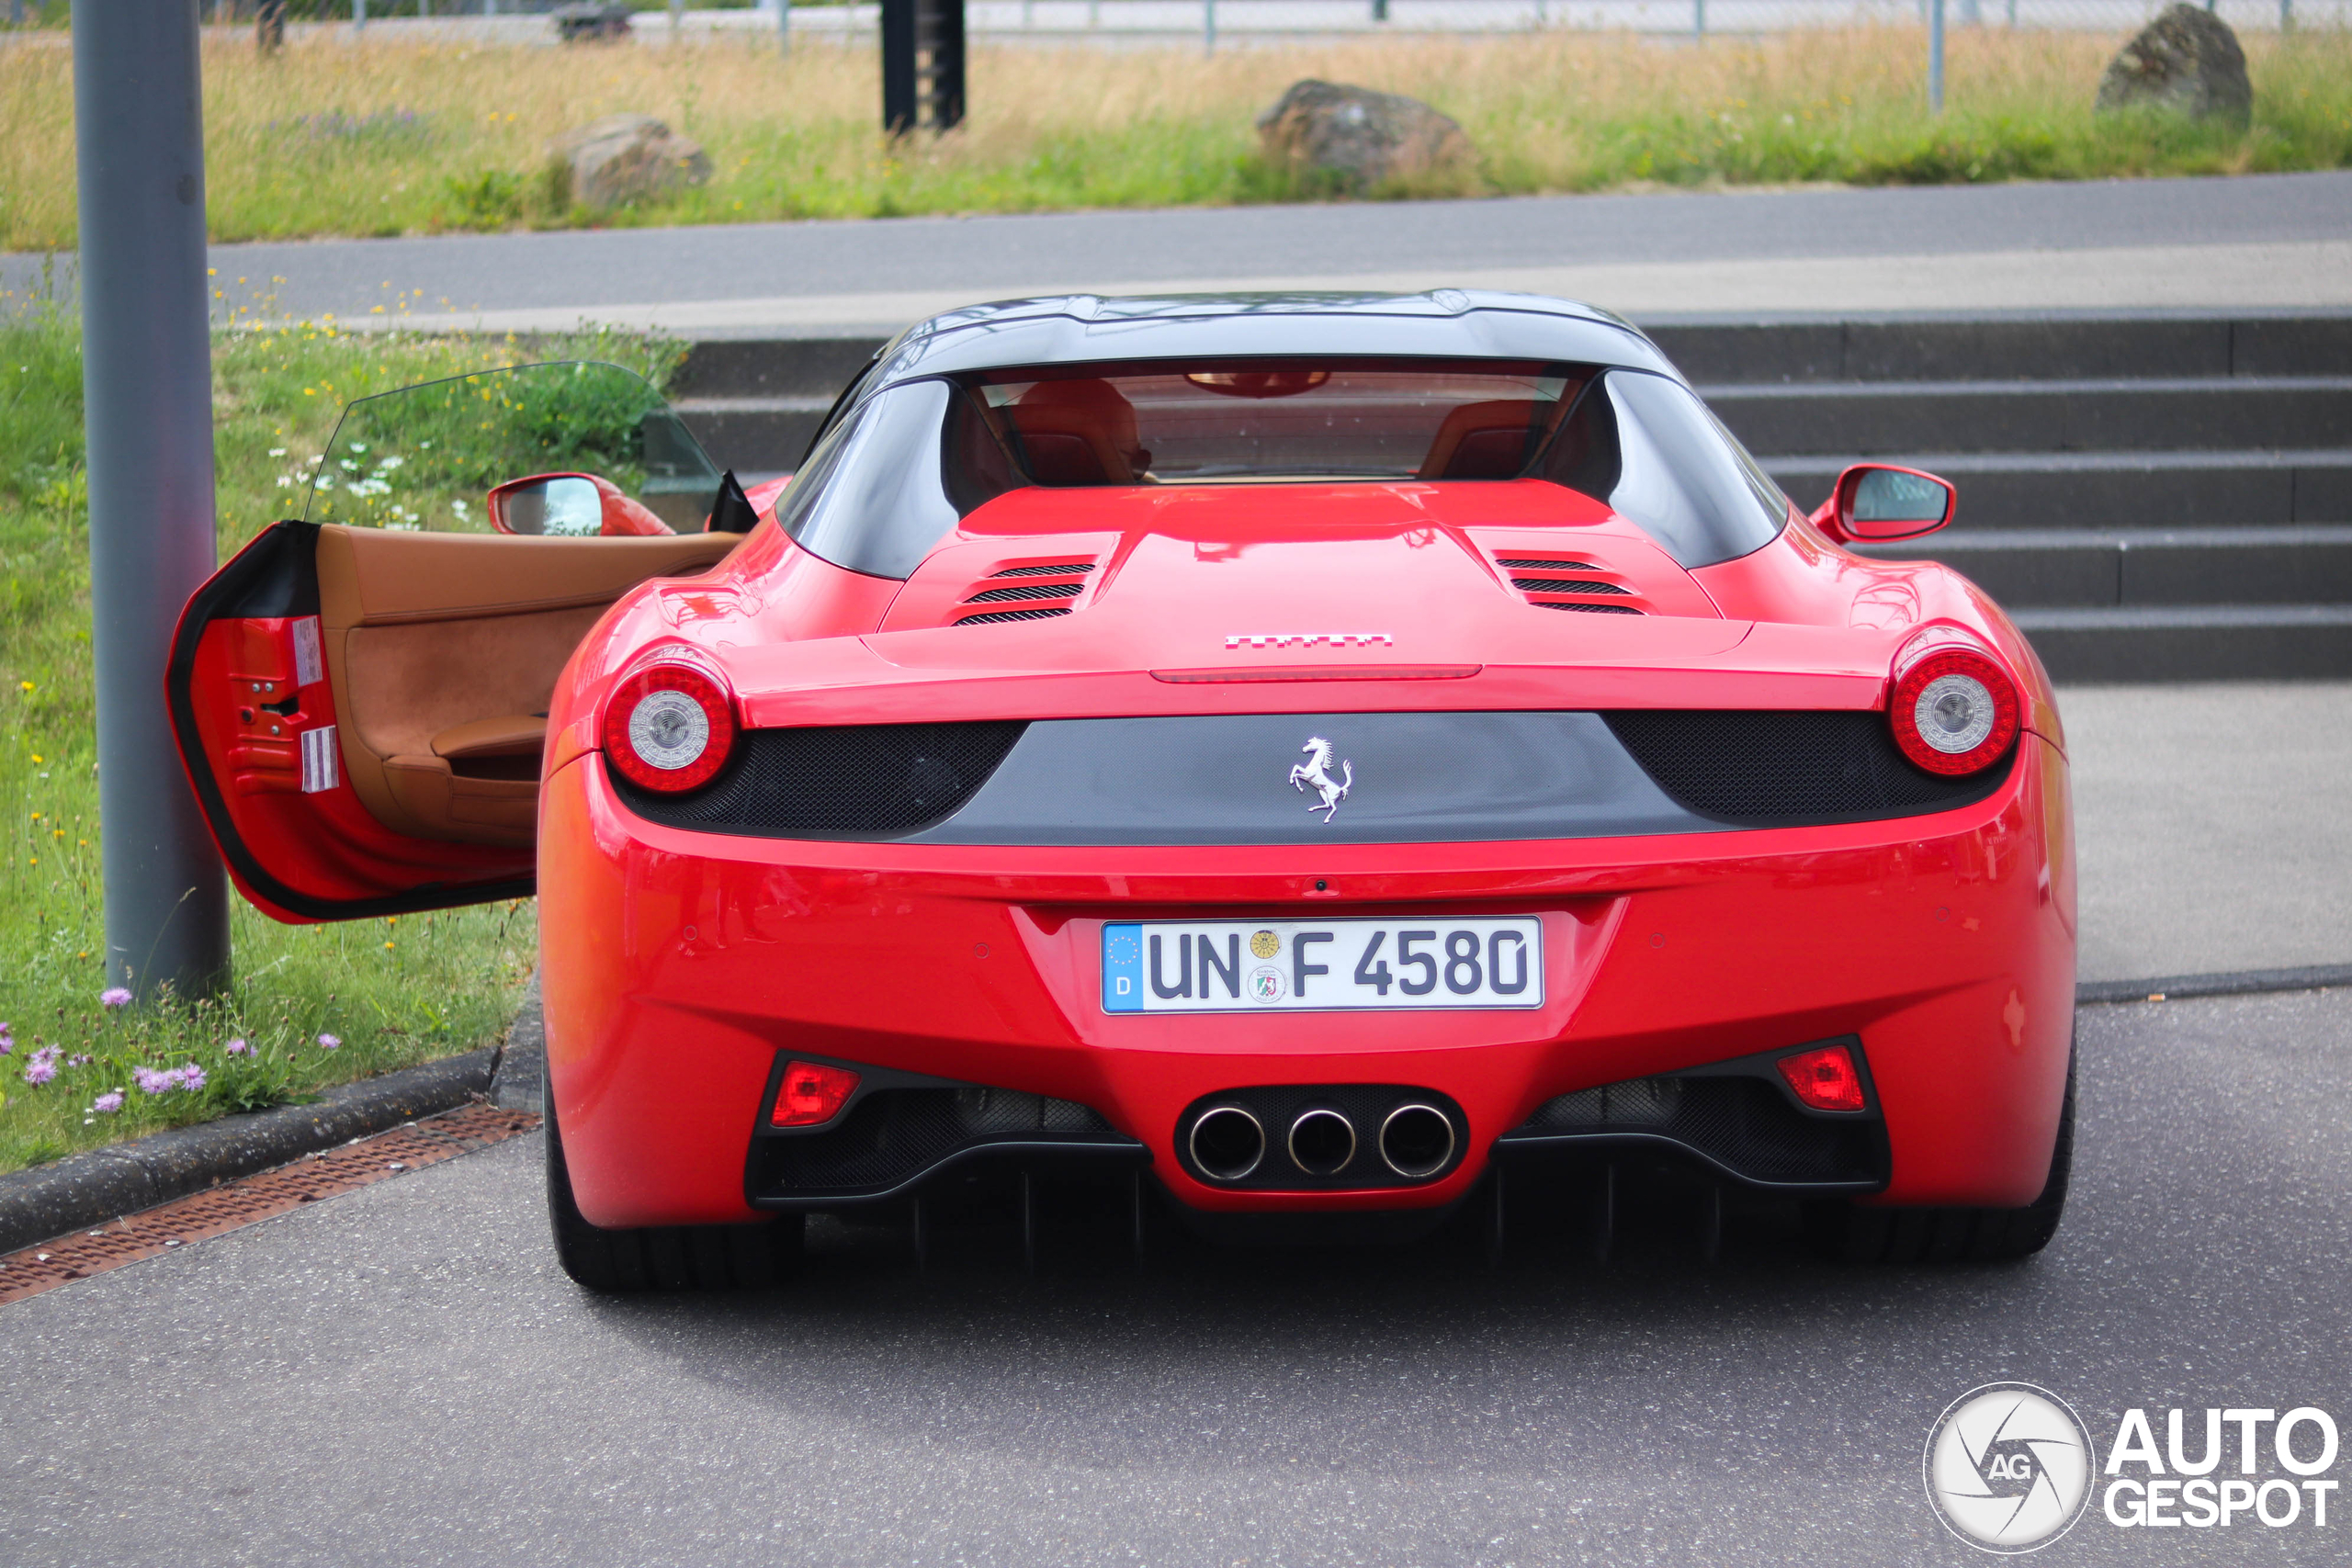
{"points": [[428, 636]]}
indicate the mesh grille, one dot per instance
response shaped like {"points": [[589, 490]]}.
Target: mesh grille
{"points": [[1043, 570], [1531, 563], [1774, 767], [992, 617], [854, 780], [1743, 1123], [1565, 585], [893, 1135], [1027, 591], [1589, 609]]}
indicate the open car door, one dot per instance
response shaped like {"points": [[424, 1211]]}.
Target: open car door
{"points": [[361, 696]]}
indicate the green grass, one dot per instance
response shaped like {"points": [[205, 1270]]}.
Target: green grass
{"points": [[392, 992], [404, 137]]}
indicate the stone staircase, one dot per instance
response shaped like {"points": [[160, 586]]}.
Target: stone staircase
{"points": [[2154, 497]]}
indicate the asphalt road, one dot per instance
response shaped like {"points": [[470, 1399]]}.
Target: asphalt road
{"points": [[401, 1374], [2211, 833], [2257, 241]]}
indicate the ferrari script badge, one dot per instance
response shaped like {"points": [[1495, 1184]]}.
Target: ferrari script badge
{"points": [[1316, 770]]}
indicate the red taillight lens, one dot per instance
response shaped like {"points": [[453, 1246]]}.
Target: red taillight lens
{"points": [[669, 726], [1954, 711], [811, 1095], [1826, 1079]]}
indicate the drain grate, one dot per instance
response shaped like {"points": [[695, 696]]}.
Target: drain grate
{"points": [[224, 1208]]}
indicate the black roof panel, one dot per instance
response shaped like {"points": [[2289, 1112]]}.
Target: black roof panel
{"points": [[1445, 323]]}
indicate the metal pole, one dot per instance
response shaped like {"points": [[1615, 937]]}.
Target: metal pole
{"points": [[1936, 57], [147, 403], [1699, 19], [677, 15], [1208, 26], [784, 27], [359, 15]]}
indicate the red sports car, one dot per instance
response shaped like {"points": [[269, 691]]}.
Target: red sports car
{"points": [[1305, 764]]}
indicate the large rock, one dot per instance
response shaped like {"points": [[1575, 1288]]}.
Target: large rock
{"points": [[1358, 139], [624, 158], [2187, 61]]}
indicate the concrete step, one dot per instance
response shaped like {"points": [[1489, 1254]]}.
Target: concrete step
{"points": [[2107, 416], [2008, 347], [757, 434], [2192, 642], [2027, 568], [2113, 490]]}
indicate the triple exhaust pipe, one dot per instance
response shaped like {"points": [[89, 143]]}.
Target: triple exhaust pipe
{"points": [[1230, 1144]]}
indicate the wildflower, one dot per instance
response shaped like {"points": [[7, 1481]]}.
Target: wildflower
{"points": [[113, 997], [43, 1065], [237, 1048], [80, 1061], [108, 1103], [278, 451], [191, 1077], [25, 686], [151, 1081], [330, 1043]]}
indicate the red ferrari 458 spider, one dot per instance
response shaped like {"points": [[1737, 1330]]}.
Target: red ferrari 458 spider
{"points": [[1301, 765]]}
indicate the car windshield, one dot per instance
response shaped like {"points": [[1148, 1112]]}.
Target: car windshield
{"points": [[1224, 423]]}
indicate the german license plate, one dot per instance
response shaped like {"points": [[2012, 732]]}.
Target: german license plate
{"points": [[1321, 965]]}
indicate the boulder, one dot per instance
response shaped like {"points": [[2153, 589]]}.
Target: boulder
{"points": [[624, 158], [2187, 61], [589, 21], [1359, 140]]}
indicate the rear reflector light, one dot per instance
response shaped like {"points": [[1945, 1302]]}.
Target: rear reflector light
{"points": [[1954, 711], [1827, 1080], [812, 1094], [669, 727]]}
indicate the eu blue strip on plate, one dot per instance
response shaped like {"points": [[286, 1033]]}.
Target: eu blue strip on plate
{"points": [[1122, 967]]}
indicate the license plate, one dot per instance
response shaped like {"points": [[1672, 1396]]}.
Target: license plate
{"points": [[1321, 965]]}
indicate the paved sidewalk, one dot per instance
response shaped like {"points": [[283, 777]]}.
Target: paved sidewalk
{"points": [[2266, 242], [2214, 826]]}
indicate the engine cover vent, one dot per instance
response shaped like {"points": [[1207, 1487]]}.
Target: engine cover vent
{"points": [[1543, 581]]}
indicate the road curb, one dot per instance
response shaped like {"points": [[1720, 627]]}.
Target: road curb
{"points": [[2233, 983], [85, 1188]]}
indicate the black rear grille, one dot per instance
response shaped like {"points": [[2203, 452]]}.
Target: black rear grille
{"points": [[1533, 563], [1027, 591], [1764, 768], [1589, 609], [1045, 570], [993, 617], [861, 781], [892, 1136], [1740, 1124], [1565, 585]]}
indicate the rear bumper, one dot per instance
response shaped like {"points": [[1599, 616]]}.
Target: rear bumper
{"points": [[679, 965]]}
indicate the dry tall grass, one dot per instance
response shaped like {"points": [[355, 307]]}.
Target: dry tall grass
{"points": [[330, 139]]}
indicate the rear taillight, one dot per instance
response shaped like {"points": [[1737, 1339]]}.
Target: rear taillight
{"points": [[670, 727], [1954, 709], [1826, 1079], [811, 1095]]}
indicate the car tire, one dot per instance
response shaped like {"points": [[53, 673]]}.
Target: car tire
{"points": [[664, 1257], [1854, 1233]]}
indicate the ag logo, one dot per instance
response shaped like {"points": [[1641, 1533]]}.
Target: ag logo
{"points": [[2009, 1467]]}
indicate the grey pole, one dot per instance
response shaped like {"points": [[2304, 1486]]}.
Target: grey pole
{"points": [[1936, 56], [147, 397]]}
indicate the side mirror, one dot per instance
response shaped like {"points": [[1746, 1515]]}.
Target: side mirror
{"points": [[570, 506], [1877, 502]]}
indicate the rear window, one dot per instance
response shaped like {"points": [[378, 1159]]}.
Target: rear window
{"points": [[1227, 422], [892, 478]]}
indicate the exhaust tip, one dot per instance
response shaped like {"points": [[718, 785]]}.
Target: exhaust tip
{"points": [[1322, 1142], [1417, 1140], [1228, 1143]]}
